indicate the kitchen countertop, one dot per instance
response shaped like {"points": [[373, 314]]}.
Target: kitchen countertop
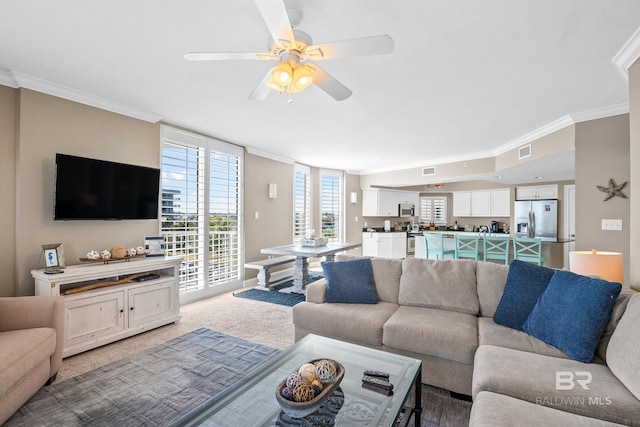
{"points": [[470, 233]]}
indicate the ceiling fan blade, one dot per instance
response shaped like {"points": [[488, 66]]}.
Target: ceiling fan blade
{"points": [[274, 13], [262, 90], [217, 56], [374, 45], [328, 83]]}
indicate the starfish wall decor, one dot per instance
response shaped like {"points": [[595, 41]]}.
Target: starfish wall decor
{"points": [[613, 189]]}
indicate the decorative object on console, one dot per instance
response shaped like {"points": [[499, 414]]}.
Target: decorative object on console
{"points": [[105, 254], [53, 256], [93, 255], [306, 390], [607, 265], [314, 242], [154, 246], [613, 190], [118, 252]]}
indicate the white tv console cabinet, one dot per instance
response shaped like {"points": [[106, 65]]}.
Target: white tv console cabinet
{"points": [[106, 314]]}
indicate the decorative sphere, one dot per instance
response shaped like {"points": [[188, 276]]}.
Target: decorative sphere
{"points": [[140, 250], [308, 372], [294, 379], [131, 251], [326, 370], [94, 254], [287, 393], [105, 254], [317, 386], [303, 392]]}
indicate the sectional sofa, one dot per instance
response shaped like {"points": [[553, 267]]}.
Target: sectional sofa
{"points": [[442, 312]]}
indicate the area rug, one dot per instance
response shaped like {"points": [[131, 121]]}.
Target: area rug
{"points": [[151, 388], [282, 294]]}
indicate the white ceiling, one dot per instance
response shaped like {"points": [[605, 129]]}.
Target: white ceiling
{"points": [[467, 79]]}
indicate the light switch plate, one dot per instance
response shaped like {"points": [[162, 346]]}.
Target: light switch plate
{"points": [[612, 224]]}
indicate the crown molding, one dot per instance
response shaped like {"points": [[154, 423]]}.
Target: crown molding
{"points": [[7, 79], [271, 156], [543, 131], [600, 113], [629, 53], [39, 85]]}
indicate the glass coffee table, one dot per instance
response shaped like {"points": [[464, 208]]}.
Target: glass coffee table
{"points": [[251, 401]]}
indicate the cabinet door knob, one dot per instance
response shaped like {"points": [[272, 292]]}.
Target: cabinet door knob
{"points": [[122, 310], [131, 308]]}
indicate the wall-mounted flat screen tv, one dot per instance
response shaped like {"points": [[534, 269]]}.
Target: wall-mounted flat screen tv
{"points": [[87, 189]]}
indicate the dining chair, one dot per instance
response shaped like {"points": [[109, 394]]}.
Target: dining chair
{"points": [[496, 248], [528, 249], [467, 246], [435, 246]]}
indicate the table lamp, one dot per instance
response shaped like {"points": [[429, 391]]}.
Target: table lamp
{"points": [[607, 265]]}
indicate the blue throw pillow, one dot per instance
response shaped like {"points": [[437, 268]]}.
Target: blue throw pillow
{"points": [[572, 313], [350, 281], [525, 283]]}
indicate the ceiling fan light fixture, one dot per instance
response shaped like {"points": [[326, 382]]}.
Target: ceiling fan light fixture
{"points": [[282, 74], [302, 78]]}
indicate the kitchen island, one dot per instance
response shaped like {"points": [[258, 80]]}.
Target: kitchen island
{"points": [[552, 251]]}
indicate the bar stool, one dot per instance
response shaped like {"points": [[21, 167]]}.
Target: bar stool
{"points": [[467, 246], [528, 249], [496, 248], [435, 245]]}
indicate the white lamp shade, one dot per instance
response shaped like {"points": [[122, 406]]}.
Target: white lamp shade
{"points": [[607, 265]]}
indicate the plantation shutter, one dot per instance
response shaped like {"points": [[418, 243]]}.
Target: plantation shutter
{"points": [[331, 205], [433, 209], [301, 202]]}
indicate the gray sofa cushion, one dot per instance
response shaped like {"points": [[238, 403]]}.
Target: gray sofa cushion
{"points": [[336, 320], [616, 314], [445, 284], [491, 410], [491, 280], [491, 333], [532, 377], [441, 333], [622, 353]]}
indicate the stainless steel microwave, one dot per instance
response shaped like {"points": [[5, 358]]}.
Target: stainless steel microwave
{"points": [[405, 210]]}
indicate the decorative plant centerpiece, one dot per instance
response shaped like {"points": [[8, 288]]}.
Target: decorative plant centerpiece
{"points": [[306, 389]]}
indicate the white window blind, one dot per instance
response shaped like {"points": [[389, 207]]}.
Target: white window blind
{"points": [[331, 205], [301, 202], [201, 206], [433, 209]]}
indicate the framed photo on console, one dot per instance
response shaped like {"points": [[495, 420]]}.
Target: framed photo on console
{"points": [[154, 246], [53, 256]]}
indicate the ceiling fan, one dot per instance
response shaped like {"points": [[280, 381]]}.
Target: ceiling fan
{"points": [[294, 50]]}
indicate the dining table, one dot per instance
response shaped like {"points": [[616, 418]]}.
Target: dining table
{"points": [[303, 253]]}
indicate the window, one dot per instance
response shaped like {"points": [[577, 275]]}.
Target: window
{"points": [[331, 205], [433, 209], [201, 210], [301, 202]]}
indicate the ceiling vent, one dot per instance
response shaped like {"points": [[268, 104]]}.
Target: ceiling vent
{"points": [[429, 171], [524, 152]]}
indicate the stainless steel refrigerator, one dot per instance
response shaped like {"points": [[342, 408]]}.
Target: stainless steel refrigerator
{"points": [[536, 218]]}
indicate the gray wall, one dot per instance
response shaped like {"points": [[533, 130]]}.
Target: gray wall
{"points": [[634, 191], [602, 152], [8, 103]]}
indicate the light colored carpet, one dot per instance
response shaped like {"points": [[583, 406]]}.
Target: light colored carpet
{"points": [[268, 324]]}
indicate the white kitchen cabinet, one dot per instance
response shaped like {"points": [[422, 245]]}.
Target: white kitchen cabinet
{"points": [[501, 203], [482, 203], [385, 245], [385, 203], [462, 203], [535, 192], [105, 314]]}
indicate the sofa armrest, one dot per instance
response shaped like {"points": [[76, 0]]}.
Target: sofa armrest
{"points": [[317, 291], [36, 312]]}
